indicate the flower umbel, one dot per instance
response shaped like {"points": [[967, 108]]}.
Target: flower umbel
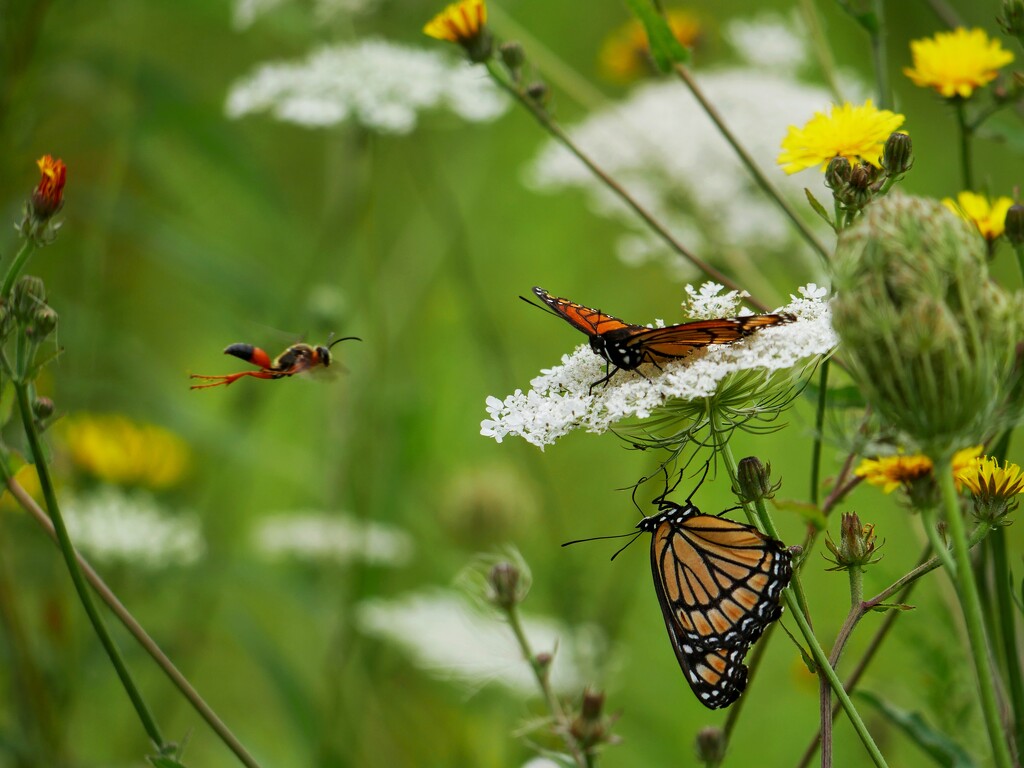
{"points": [[987, 214], [463, 23], [955, 63], [856, 133], [994, 488]]}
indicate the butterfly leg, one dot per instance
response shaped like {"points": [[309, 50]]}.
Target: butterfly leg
{"points": [[604, 380]]}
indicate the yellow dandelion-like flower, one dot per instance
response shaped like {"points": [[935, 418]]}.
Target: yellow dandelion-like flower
{"points": [[987, 214], [27, 478], [892, 472], [856, 133], [994, 488], [460, 22], [625, 54], [117, 450], [955, 63]]}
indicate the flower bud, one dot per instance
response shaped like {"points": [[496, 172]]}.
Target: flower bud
{"points": [[43, 408], [27, 296], [837, 175], [43, 324], [897, 155], [856, 543], [710, 746], [1014, 228], [755, 481], [589, 728], [48, 197], [929, 340], [503, 580], [538, 92], [513, 57]]}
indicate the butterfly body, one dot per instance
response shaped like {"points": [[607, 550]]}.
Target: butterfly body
{"points": [[719, 584], [626, 346]]}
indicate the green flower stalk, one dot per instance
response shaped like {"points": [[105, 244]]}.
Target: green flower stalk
{"points": [[928, 338]]}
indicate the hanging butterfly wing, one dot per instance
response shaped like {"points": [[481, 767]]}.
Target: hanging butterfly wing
{"points": [[719, 585]]}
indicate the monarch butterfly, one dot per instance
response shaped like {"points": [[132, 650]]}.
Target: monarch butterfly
{"points": [[719, 584], [296, 359], [626, 346]]}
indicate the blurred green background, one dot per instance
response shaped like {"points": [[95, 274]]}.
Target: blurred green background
{"points": [[185, 231]]}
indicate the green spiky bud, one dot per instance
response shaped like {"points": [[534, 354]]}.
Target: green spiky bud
{"points": [[928, 338]]}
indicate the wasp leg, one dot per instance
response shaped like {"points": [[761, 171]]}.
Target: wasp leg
{"points": [[230, 378]]}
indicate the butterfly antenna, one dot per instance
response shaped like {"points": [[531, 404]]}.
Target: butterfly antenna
{"points": [[702, 478], [543, 308], [599, 538], [624, 546]]}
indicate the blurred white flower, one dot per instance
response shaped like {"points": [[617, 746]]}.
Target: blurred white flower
{"points": [[335, 538], [661, 146], [246, 12], [561, 399], [770, 41], [378, 84], [452, 641], [111, 525]]}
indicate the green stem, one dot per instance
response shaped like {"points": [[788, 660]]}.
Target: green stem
{"points": [[548, 123], [790, 596], [1007, 616], [965, 143], [1019, 250], [136, 629], [68, 550], [582, 758], [931, 529], [27, 248], [879, 56], [970, 604], [821, 47], [819, 428], [755, 171]]}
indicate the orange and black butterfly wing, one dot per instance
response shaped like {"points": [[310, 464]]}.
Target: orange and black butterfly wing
{"points": [[680, 340], [721, 581], [717, 677], [592, 322]]}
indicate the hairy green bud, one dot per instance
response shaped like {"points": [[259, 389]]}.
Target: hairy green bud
{"points": [[928, 338]]}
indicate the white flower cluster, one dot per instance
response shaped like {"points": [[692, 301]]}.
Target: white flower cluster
{"points": [[381, 85], [663, 148], [246, 12], [111, 525], [334, 538], [769, 41], [560, 399], [453, 641]]}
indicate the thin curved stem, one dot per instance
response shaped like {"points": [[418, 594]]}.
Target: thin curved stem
{"points": [[879, 56], [26, 250], [70, 559], [819, 428], [966, 134], [137, 631], [552, 127], [752, 167], [970, 604]]}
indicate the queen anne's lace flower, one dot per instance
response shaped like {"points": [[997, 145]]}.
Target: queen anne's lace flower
{"points": [[380, 85], [560, 399]]}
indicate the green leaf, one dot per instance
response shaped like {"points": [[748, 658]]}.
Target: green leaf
{"points": [[666, 50], [809, 513], [819, 209], [838, 397], [883, 607], [943, 750]]}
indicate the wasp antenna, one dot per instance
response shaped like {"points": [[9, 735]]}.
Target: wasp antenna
{"points": [[343, 338]]}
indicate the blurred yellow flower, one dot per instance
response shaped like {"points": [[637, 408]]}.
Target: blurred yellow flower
{"points": [[117, 450], [459, 22], [988, 215], [27, 478], [625, 54], [856, 133], [892, 472], [955, 63]]}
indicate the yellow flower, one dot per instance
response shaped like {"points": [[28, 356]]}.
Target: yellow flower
{"points": [[892, 472], [988, 215], [993, 487], [955, 63], [849, 131], [625, 54], [460, 22], [27, 478], [117, 450]]}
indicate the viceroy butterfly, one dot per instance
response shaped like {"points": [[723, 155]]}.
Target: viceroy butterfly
{"points": [[719, 584], [626, 346]]}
